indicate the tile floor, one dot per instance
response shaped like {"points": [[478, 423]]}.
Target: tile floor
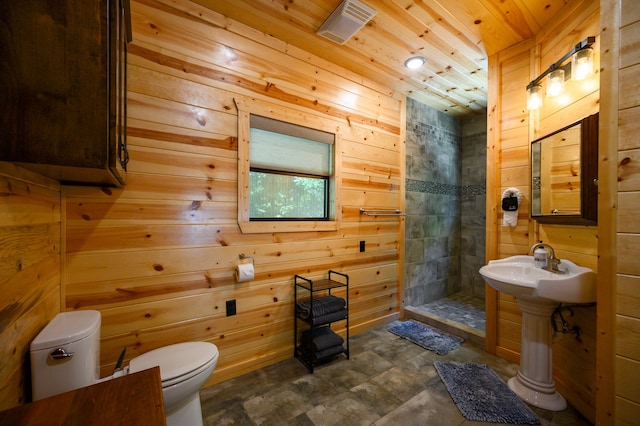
{"points": [[387, 381]]}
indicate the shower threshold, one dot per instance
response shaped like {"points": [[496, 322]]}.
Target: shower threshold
{"points": [[458, 314]]}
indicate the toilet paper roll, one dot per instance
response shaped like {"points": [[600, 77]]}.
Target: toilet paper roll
{"points": [[244, 272]]}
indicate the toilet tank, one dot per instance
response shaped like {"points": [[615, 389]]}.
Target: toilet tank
{"points": [[65, 355]]}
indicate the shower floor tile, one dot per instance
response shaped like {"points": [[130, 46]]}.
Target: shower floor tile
{"points": [[459, 314], [464, 309]]}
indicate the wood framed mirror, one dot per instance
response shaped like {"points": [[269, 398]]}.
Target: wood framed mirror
{"points": [[564, 175]]}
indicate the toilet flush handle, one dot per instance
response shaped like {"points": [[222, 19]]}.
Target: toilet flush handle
{"points": [[60, 353]]}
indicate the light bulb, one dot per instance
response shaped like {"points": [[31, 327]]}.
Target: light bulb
{"points": [[534, 97], [582, 64], [415, 62], [555, 83]]}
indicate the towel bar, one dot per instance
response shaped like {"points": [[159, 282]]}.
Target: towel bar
{"points": [[382, 212]]}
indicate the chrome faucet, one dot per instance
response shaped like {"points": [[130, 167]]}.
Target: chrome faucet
{"points": [[552, 261]]}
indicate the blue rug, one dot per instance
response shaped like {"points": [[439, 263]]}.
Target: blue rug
{"points": [[482, 396], [427, 337]]}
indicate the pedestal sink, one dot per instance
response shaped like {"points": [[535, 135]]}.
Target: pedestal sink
{"points": [[538, 292]]}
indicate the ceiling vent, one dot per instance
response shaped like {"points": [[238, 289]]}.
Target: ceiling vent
{"points": [[345, 21]]}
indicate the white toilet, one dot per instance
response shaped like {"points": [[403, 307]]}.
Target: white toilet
{"points": [[65, 355]]}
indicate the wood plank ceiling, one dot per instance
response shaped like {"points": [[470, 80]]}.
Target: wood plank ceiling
{"points": [[455, 36]]}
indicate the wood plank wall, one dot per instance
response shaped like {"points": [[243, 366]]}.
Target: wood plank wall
{"points": [[511, 129], [30, 250], [625, 105], [156, 257], [607, 211]]}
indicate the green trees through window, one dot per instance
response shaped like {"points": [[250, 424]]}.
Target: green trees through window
{"points": [[281, 196]]}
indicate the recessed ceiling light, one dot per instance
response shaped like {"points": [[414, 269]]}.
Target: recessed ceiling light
{"points": [[415, 62]]}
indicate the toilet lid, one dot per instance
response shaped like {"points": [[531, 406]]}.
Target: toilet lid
{"points": [[66, 328], [175, 360]]}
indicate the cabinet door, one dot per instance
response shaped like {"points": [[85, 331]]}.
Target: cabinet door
{"points": [[59, 82]]}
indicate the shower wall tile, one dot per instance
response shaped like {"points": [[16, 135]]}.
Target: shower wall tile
{"points": [[432, 203], [414, 250], [445, 181], [473, 204]]}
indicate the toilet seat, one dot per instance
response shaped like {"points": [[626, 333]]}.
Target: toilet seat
{"points": [[177, 362]]}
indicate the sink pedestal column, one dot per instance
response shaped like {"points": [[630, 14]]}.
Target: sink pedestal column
{"points": [[534, 381]]}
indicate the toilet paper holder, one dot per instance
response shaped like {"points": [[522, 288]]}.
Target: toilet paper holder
{"points": [[244, 269]]}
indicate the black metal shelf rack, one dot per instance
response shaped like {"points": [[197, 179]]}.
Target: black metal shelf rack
{"points": [[312, 291]]}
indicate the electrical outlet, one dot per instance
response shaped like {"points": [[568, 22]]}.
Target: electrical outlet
{"points": [[361, 246], [231, 307]]}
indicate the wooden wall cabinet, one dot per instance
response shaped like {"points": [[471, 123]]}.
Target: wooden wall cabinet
{"points": [[63, 88]]}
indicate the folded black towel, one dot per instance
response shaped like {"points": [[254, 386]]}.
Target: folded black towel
{"points": [[323, 338], [334, 350], [326, 319], [321, 306]]}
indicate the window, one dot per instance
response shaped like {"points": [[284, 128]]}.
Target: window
{"points": [[286, 176], [290, 171]]}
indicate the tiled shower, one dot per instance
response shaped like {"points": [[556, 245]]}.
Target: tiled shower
{"points": [[445, 205]]}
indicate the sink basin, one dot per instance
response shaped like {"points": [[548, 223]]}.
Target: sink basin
{"points": [[518, 277]]}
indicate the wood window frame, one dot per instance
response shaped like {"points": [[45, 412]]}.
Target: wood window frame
{"points": [[245, 109]]}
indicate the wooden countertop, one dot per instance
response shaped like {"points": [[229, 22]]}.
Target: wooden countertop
{"points": [[133, 399]]}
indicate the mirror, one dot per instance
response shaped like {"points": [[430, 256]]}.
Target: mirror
{"points": [[564, 175]]}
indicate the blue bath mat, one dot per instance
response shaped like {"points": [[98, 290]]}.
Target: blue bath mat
{"points": [[427, 337], [482, 396]]}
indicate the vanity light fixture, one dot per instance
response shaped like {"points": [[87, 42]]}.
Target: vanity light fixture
{"points": [[580, 67], [415, 62]]}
